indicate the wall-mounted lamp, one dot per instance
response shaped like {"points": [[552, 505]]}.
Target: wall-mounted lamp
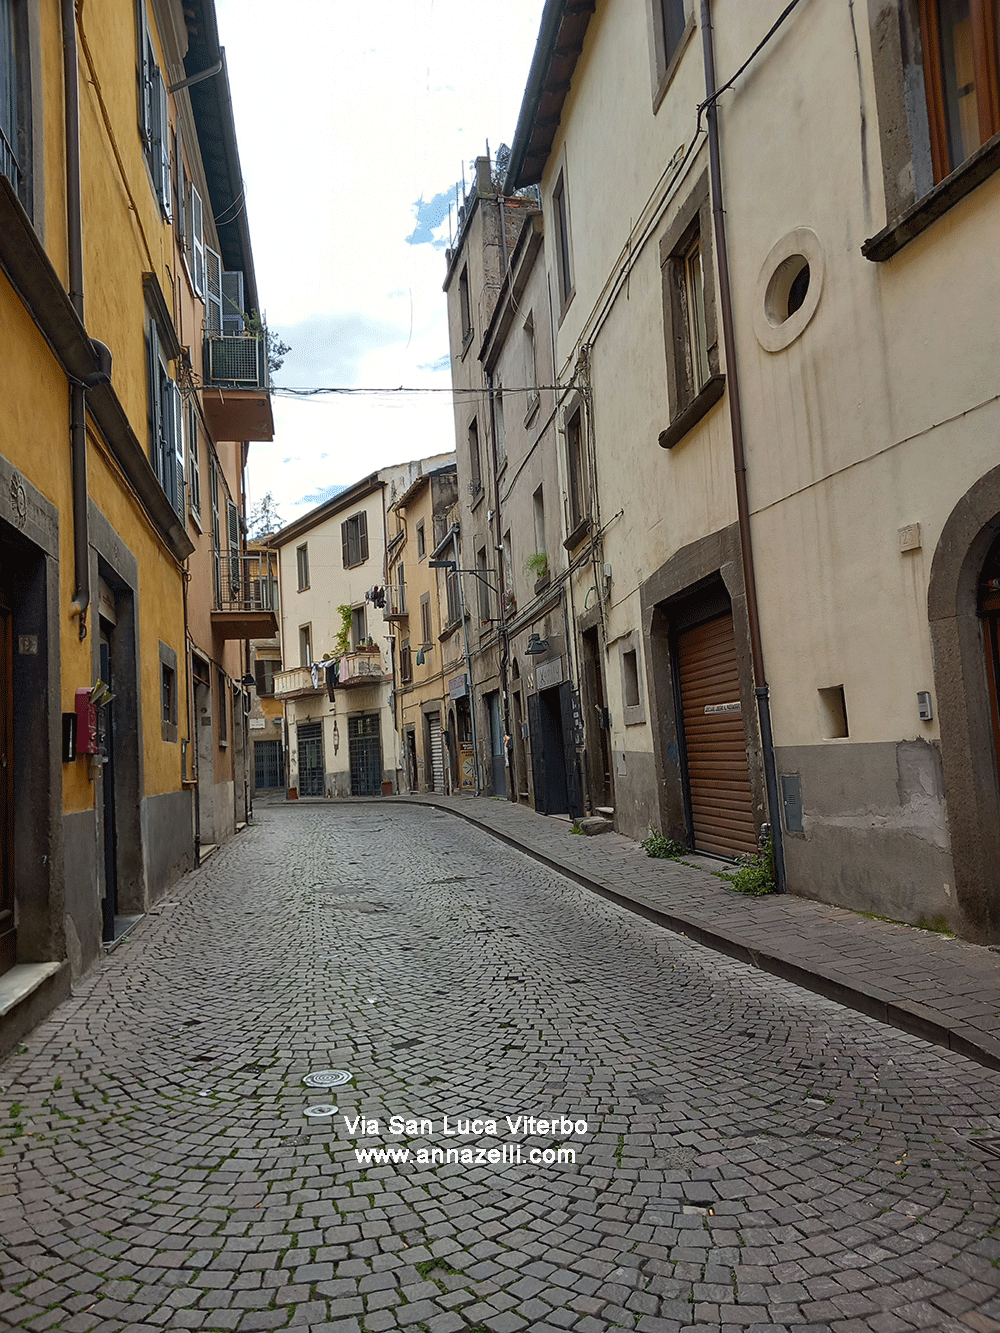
{"points": [[536, 646]]}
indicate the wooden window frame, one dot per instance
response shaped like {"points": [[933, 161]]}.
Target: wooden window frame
{"points": [[302, 566], [354, 540], [987, 67]]}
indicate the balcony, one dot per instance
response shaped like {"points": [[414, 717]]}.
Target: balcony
{"points": [[362, 667], [296, 683], [245, 598], [236, 393], [395, 604]]}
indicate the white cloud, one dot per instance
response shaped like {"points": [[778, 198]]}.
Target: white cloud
{"points": [[346, 117]]}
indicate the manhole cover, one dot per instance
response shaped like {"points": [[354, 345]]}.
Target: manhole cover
{"points": [[322, 1110], [327, 1078]]}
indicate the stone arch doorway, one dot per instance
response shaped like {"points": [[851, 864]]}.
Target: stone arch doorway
{"points": [[966, 560]]}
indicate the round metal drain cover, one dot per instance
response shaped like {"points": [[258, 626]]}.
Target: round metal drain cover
{"points": [[321, 1110], [327, 1078]]}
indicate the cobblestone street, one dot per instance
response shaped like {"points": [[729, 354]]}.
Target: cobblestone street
{"points": [[755, 1156]]}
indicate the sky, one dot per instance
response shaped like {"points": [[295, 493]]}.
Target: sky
{"points": [[354, 124]]}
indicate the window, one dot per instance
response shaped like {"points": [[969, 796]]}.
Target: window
{"points": [[166, 441], [508, 562], [401, 590], [193, 458], [354, 539], [421, 541], [15, 122], [305, 645], [465, 307], [961, 77], [154, 120], [359, 629], [426, 631], [194, 237], [632, 709], [213, 483], [501, 430], [694, 299], [168, 693], [302, 565], [538, 509], [564, 257], [475, 465], [575, 472], [453, 596], [833, 712], [485, 612], [405, 662], [264, 675], [669, 27], [689, 320], [223, 709], [530, 368]]}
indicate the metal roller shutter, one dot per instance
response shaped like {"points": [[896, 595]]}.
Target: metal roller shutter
{"points": [[437, 751], [718, 779]]}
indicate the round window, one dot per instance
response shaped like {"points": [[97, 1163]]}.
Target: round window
{"points": [[787, 289]]}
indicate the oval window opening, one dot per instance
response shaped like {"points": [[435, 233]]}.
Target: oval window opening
{"points": [[787, 289]]}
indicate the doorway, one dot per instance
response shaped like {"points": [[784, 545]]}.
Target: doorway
{"points": [[553, 752], [106, 746], [8, 934], [364, 743], [435, 753], [497, 758], [596, 726], [310, 752]]}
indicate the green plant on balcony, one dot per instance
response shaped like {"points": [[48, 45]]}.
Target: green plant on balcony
{"points": [[537, 565], [342, 643]]}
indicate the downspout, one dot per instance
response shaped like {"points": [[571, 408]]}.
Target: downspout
{"points": [[74, 244], [468, 659], [739, 454], [501, 585]]}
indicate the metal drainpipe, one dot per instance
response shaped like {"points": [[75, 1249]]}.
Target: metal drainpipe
{"points": [[501, 584], [468, 662], [74, 244], [739, 455]]}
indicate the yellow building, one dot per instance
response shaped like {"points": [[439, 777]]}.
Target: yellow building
{"points": [[123, 308], [425, 605]]}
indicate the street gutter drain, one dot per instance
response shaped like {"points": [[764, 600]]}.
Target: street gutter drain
{"points": [[327, 1078]]}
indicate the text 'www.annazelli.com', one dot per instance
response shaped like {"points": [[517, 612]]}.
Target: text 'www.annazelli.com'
{"points": [[509, 1154]]}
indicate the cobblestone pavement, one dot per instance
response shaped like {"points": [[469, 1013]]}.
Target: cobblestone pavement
{"points": [[755, 1156]]}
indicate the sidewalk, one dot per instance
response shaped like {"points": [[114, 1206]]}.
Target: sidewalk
{"points": [[938, 988]]}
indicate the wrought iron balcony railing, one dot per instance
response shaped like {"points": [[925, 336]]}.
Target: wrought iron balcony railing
{"points": [[244, 583]]}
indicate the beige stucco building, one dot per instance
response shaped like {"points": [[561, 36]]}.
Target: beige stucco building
{"points": [[837, 569], [336, 681]]}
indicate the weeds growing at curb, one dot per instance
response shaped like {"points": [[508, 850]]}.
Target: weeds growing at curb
{"points": [[657, 844], [754, 873]]}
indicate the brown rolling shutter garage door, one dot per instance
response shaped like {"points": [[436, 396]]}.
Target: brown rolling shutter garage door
{"points": [[718, 780]]}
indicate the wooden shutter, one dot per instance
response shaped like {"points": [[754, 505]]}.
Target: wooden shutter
{"points": [[213, 291], [198, 243], [164, 146], [363, 536], [715, 743], [176, 442], [232, 302], [574, 785], [537, 753], [153, 394], [345, 542]]}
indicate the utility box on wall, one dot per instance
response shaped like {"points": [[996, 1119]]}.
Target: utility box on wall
{"points": [[86, 723]]}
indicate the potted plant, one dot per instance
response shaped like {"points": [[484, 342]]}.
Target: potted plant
{"points": [[537, 565]]}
